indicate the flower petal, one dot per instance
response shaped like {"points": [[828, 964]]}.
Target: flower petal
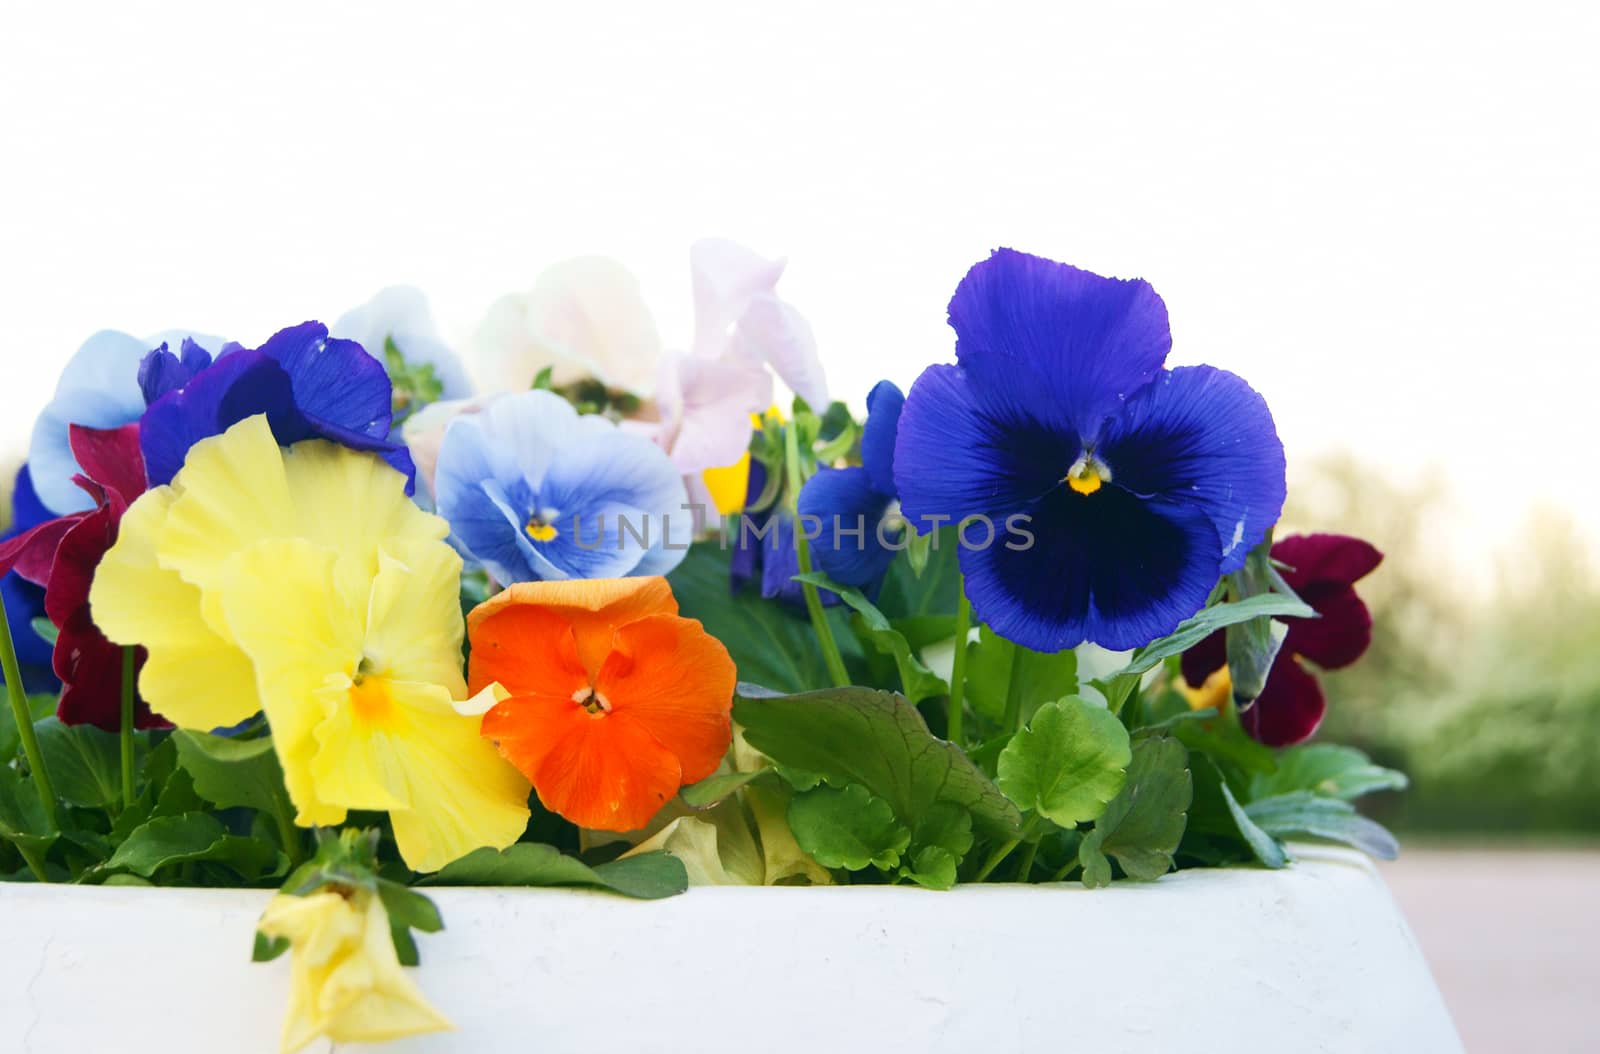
{"points": [[961, 451], [725, 276], [884, 404], [1205, 658], [111, 458], [593, 607], [530, 651], [584, 317], [334, 380], [239, 385], [604, 774], [850, 509], [1203, 437], [672, 678], [193, 677], [1339, 637], [1067, 344], [1106, 567], [773, 332], [1289, 708], [1325, 560]]}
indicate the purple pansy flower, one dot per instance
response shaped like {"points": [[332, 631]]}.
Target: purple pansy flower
{"points": [[307, 384], [1141, 484], [856, 507]]}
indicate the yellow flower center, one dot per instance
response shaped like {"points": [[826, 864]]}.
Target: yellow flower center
{"points": [[370, 699], [1087, 474], [540, 531]]}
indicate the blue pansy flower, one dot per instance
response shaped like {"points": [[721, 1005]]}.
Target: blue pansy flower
{"points": [[307, 384], [99, 387], [1140, 485], [860, 523], [535, 491], [24, 601]]}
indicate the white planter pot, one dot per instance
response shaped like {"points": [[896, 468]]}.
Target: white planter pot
{"points": [[1313, 958]]}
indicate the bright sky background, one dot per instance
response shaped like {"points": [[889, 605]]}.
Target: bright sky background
{"points": [[1385, 216]]}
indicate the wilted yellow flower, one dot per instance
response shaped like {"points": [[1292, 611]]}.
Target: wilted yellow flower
{"points": [[305, 584], [346, 981]]}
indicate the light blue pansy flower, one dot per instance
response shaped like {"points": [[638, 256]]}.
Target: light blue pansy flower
{"points": [[535, 491], [99, 388]]}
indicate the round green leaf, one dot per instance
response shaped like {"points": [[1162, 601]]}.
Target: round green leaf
{"points": [[1068, 763]]}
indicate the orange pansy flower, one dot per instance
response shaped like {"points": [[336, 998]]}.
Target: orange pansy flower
{"points": [[615, 700]]}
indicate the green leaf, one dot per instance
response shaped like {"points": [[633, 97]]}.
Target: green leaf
{"points": [[1327, 769], [878, 740], [714, 790], [1039, 677], [1224, 739], [933, 867], [266, 948], [769, 644], [648, 876], [84, 762], [232, 772], [1305, 813], [917, 682], [947, 826], [1263, 846], [1069, 762], [1143, 825], [194, 836], [407, 910], [1191, 631], [541, 380], [22, 819], [847, 828]]}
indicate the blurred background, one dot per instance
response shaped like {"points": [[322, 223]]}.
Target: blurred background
{"points": [[1383, 215]]}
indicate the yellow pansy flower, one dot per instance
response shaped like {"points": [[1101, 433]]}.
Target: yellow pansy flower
{"points": [[346, 981], [305, 584]]}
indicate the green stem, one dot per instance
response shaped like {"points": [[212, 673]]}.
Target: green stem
{"points": [[288, 833], [125, 733], [1025, 866], [802, 545], [958, 673], [1013, 718], [34, 860], [24, 719], [1000, 853]]}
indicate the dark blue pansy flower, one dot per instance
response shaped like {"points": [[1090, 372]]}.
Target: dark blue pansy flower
{"points": [[24, 601], [860, 522], [307, 384], [1141, 485]]}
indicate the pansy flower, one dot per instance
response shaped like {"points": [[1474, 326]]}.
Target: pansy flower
{"points": [[587, 318], [308, 385], [99, 388], [1323, 570], [304, 584], [535, 491], [1140, 485], [860, 524], [62, 555], [345, 978], [609, 700]]}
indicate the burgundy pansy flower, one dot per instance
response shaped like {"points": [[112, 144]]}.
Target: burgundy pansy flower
{"points": [[1323, 569], [62, 555]]}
